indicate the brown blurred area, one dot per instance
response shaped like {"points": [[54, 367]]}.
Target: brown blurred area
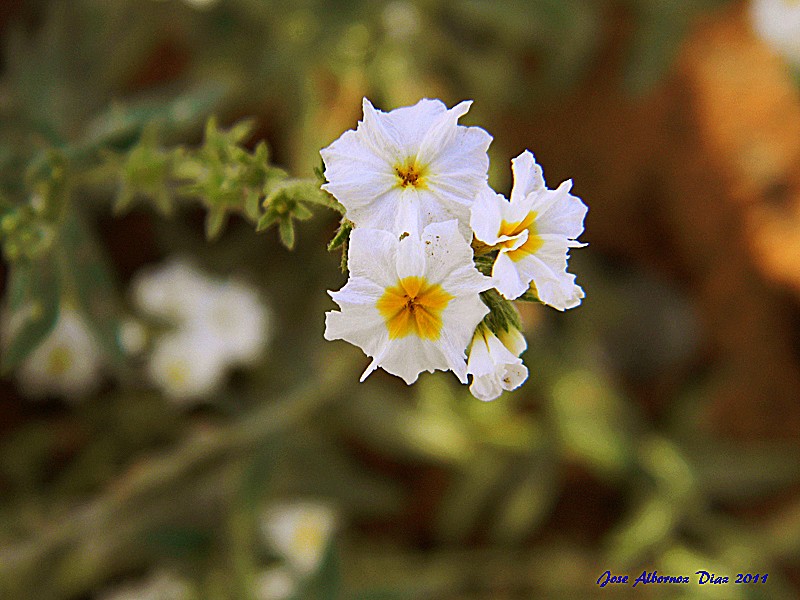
{"points": [[698, 181]]}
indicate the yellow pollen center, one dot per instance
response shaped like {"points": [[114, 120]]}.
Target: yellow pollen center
{"points": [[308, 537], [178, 373], [531, 245], [414, 306], [59, 361], [411, 174]]}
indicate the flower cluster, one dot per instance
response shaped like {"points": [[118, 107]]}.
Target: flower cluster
{"points": [[425, 222], [216, 325]]}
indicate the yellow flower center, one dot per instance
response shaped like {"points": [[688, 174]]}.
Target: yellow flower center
{"points": [[411, 174], [59, 361], [414, 306], [531, 245], [178, 373], [308, 537]]}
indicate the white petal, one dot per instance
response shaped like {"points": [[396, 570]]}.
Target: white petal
{"points": [[409, 356], [450, 260], [412, 123], [410, 257], [480, 362], [486, 215], [559, 212], [555, 288], [372, 253], [514, 341], [380, 133], [513, 375], [507, 278], [528, 176], [362, 326], [486, 387]]}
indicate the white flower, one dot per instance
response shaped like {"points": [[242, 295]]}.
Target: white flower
{"points": [[175, 291], [300, 532], [186, 365], [533, 233], [494, 362], [275, 583], [236, 319], [777, 22], [68, 363], [218, 325], [402, 170], [411, 304]]}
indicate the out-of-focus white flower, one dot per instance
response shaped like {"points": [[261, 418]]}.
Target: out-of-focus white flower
{"points": [[402, 170], [411, 304], [533, 232], [236, 319], [217, 325], [68, 363], [777, 22], [300, 532], [186, 365], [494, 362], [275, 583], [176, 291]]}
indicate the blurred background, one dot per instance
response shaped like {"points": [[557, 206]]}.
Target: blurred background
{"points": [[660, 425]]}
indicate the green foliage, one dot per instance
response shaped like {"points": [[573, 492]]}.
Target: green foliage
{"points": [[288, 201], [502, 314], [33, 302]]}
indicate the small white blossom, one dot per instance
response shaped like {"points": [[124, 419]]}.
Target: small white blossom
{"points": [[402, 170], [411, 304], [533, 233], [300, 532], [494, 362], [186, 365], [68, 363], [275, 583], [175, 291], [236, 319], [217, 325], [777, 22]]}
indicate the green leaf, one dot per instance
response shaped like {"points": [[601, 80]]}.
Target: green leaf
{"points": [[34, 292], [266, 220], [86, 268], [502, 315], [342, 235], [287, 233], [215, 221]]}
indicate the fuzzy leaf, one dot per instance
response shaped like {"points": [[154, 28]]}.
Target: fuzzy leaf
{"points": [[34, 292], [286, 228]]}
